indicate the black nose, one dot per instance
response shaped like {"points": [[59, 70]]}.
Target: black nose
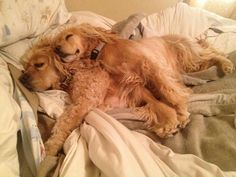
{"points": [[24, 78], [58, 49], [77, 51]]}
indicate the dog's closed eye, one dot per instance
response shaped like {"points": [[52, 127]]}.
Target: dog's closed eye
{"points": [[39, 65], [68, 36]]}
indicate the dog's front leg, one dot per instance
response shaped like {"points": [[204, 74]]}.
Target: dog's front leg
{"points": [[64, 125], [173, 93], [158, 116]]}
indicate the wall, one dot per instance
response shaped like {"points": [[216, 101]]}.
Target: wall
{"points": [[119, 9]]}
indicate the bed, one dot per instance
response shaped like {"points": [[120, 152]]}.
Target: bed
{"points": [[115, 143]]}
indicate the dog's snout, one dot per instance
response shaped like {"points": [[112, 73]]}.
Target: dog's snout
{"points": [[77, 51], [58, 49], [24, 78]]}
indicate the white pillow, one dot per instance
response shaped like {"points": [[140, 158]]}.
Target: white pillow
{"points": [[24, 18], [79, 17]]}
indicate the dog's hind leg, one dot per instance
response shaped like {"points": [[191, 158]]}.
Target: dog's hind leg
{"points": [[196, 56], [193, 56], [158, 116], [210, 57]]}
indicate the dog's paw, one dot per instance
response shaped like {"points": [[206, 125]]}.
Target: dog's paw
{"points": [[228, 67], [183, 120], [184, 123], [146, 115], [167, 130], [182, 115]]}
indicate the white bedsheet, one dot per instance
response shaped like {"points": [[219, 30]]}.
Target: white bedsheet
{"points": [[10, 114], [104, 147], [27, 124]]}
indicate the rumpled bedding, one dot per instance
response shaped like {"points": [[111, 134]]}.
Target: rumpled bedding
{"points": [[10, 112], [104, 146], [211, 133]]}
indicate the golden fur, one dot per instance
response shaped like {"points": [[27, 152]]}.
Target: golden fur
{"points": [[142, 74]]}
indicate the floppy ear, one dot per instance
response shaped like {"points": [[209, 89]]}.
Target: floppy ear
{"points": [[59, 66], [65, 76], [44, 42]]}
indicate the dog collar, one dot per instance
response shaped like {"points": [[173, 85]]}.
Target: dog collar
{"points": [[96, 51]]}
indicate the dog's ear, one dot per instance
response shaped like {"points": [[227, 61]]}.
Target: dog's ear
{"points": [[59, 66], [44, 42]]}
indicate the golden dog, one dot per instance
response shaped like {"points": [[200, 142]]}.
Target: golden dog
{"points": [[143, 74], [152, 63]]}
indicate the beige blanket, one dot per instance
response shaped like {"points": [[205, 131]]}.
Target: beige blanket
{"points": [[212, 131]]}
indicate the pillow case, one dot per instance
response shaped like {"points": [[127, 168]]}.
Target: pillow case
{"points": [[92, 18], [27, 18]]}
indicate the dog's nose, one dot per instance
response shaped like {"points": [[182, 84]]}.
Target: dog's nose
{"points": [[24, 78], [77, 51], [58, 49]]}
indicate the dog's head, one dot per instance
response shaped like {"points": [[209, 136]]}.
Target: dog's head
{"points": [[78, 42], [43, 69]]}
